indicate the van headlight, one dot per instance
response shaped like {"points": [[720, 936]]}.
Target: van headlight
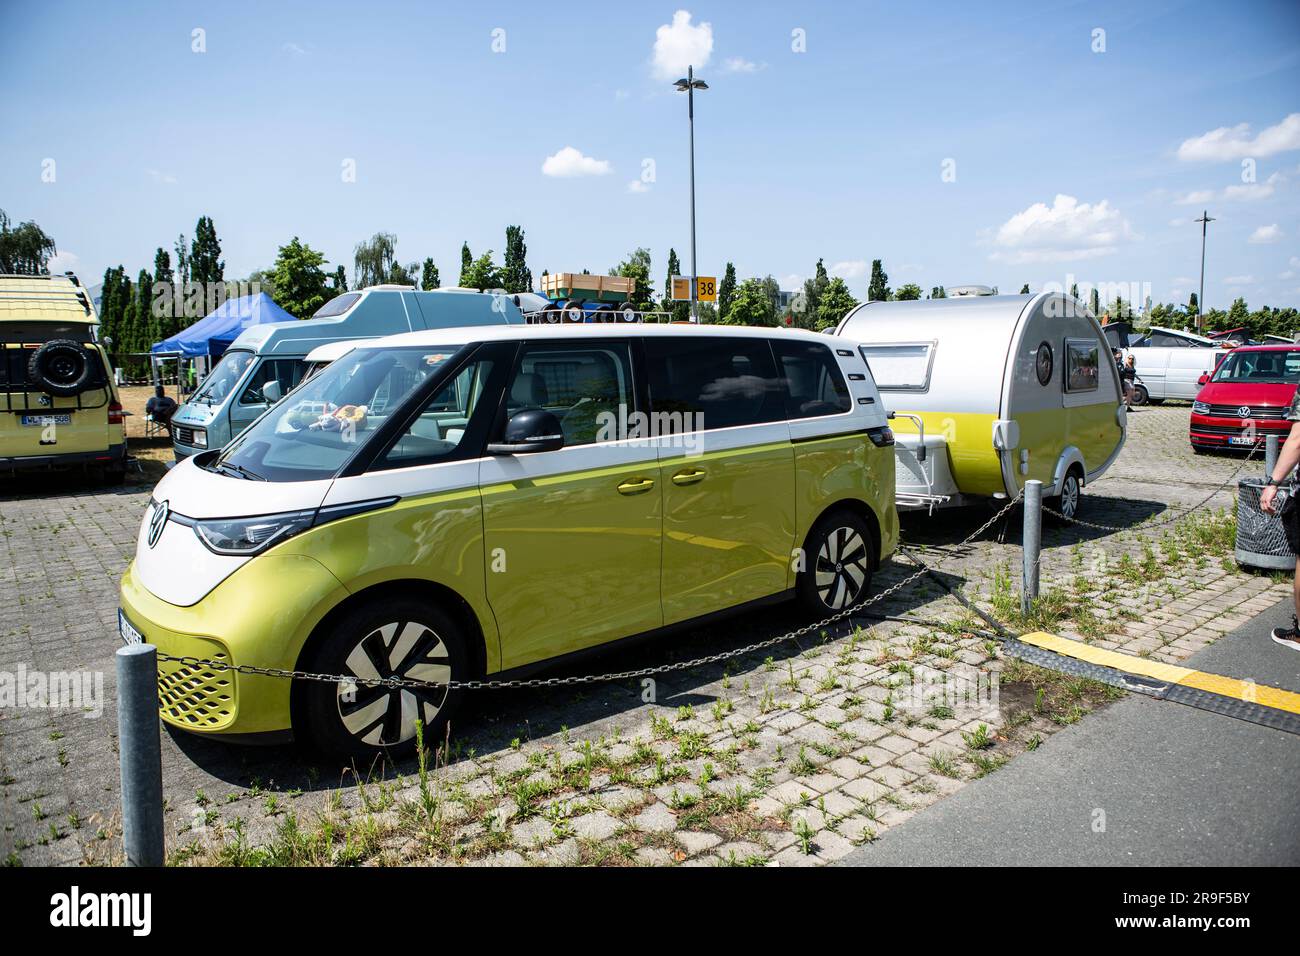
{"points": [[200, 439], [247, 536], [1200, 408]]}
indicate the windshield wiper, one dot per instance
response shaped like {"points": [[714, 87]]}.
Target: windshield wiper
{"points": [[239, 471]]}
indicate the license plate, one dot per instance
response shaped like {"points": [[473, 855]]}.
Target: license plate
{"points": [[43, 421], [128, 633], [1241, 440]]}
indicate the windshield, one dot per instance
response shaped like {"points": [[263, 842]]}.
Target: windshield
{"points": [[223, 378], [1261, 368], [318, 426]]}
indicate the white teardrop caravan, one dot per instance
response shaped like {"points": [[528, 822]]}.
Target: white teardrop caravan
{"points": [[990, 391]]}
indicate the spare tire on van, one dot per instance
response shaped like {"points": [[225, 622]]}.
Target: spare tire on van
{"points": [[61, 367]]}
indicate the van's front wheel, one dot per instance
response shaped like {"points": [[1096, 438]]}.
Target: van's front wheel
{"points": [[837, 564], [401, 638]]}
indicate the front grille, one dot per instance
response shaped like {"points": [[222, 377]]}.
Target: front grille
{"points": [[185, 435], [1274, 412], [199, 697], [1199, 429]]}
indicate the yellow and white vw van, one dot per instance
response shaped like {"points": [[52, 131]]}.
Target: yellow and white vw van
{"points": [[466, 502], [59, 406]]}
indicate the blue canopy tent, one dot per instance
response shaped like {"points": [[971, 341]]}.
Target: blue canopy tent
{"points": [[216, 331]]}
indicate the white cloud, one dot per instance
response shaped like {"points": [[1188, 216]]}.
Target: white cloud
{"points": [[738, 64], [681, 44], [1235, 142], [159, 176], [1238, 280], [1270, 233], [1294, 262], [568, 163], [1196, 197], [1178, 223], [638, 186], [62, 262], [791, 282], [1066, 230], [849, 269], [1289, 274], [296, 49]]}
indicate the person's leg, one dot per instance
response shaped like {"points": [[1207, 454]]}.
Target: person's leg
{"points": [[1290, 636]]}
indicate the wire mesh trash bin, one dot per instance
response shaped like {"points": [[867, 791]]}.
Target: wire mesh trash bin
{"points": [[1261, 540]]}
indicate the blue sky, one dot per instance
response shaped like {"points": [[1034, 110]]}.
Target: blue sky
{"points": [[837, 151]]}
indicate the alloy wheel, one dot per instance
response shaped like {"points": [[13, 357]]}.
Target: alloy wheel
{"points": [[385, 716], [841, 569]]}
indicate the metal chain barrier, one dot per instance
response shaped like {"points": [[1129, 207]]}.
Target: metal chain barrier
{"points": [[1180, 515], [411, 684]]}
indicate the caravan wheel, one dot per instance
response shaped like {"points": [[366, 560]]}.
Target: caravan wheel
{"points": [[1070, 500]]}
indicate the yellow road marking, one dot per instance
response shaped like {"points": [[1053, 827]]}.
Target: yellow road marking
{"points": [[1245, 690]]}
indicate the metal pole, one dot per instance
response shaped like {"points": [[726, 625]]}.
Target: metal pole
{"points": [[1032, 543], [690, 112], [140, 754], [1270, 455], [1205, 221]]}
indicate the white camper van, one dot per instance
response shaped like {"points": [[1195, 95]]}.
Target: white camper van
{"points": [[989, 391], [1169, 362]]}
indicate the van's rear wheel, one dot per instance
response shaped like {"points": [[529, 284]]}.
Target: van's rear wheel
{"points": [[400, 638], [837, 564]]}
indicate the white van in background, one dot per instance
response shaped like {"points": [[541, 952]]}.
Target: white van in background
{"points": [[1169, 362]]}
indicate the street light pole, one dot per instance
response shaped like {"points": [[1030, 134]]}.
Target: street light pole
{"points": [[1205, 221], [689, 85]]}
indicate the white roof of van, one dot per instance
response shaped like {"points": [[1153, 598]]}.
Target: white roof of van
{"points": [[576, 330], [331, 351]]}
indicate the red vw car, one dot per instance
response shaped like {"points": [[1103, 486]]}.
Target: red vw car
{"points": [[1247, 397]]}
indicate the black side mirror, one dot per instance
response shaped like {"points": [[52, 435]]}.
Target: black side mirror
{"points": [[529, 430]]}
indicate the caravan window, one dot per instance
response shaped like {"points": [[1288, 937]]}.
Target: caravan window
{"points": [[900, 366], [1081, 365]]}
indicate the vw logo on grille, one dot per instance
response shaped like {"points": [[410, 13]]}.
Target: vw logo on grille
{"points": [[158, 522], [1244, 411]]}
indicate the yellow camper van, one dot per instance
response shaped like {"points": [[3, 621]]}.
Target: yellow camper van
{"points": [[59, 405]]}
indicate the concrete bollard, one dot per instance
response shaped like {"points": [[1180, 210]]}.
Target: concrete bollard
{"points": [[1270, 454], [140, 754], [1032, 542]]}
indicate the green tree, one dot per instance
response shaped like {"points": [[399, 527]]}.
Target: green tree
{"points": [[482, 274], [878, 289], [182, 260], [466, 263], [515, 274], [1095, 304], [726, 290], [1024, 289], [340, 280], [151, 323], [679, 311], [752, 305], [111, 307], [408, 274], [162, 266], [205, 253], [1193, 305], [301, 285], [373, 258], [938, 292], [813, 290], [637, 266], [908, 292], [1074, 290], [836, 302], [25, 248], [429, 276]]}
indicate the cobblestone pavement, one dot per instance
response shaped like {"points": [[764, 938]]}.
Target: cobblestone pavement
{"points": [[793, 757]]}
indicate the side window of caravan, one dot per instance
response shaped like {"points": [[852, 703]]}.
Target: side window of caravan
{"points": [[719, 382], [814, 384], [1081, 365], [902, 366]]}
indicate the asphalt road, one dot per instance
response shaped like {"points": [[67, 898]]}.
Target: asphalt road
{"points": [[1177, 786]]}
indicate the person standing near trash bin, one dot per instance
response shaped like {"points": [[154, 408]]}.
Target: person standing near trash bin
{"points": [[1287, 459]]}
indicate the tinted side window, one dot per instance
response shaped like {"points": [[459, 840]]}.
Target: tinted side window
{"points": [[812, 377], [721, 382], [584, 384]]}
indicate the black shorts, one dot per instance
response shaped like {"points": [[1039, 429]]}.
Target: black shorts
{"points": [[1291, 525]]}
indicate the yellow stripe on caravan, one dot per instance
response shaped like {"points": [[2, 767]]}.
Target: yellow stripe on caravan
{"points": [[1243, 690]]}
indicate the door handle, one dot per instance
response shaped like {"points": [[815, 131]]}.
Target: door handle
{"points": [[689, 477], [635, 486]]}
